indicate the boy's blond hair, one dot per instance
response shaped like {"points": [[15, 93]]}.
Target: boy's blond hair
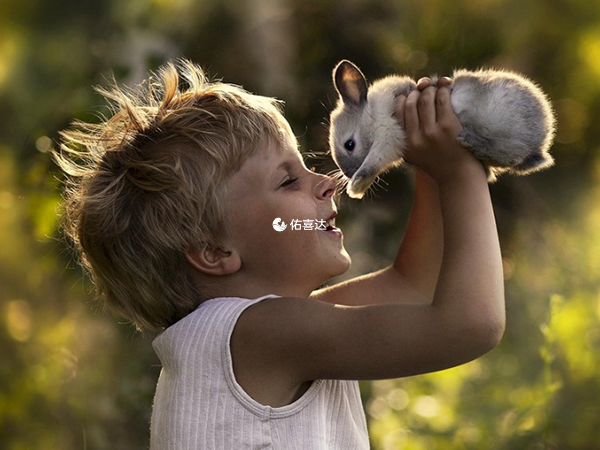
{"points": [[145, 185]]}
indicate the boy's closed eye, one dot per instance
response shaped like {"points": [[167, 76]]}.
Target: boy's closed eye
{"points": [[289, 181]]}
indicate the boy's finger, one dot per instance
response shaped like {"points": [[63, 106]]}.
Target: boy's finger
{"points": [[423, 83], [426, 107], [442, 101], [444, 81], [443, 107], [411, 115]]}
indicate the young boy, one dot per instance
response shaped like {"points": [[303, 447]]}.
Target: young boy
{"points": [[171, 204]]}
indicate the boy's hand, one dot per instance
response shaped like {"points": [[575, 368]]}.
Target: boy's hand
{"points": [[431, 129]]}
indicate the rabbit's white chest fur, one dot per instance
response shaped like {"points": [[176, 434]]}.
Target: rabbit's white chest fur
{"points": [[508, 123]]}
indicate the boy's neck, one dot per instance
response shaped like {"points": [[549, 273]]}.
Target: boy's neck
{"points": [[236, 285]]}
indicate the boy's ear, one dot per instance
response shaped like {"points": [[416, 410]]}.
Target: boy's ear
{"points": [[213, 261]]}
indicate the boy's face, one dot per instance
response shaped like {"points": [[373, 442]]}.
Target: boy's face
{"points": [[275, 183]]}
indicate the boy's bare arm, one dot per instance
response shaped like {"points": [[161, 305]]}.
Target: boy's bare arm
{"points": [[304, 339]]}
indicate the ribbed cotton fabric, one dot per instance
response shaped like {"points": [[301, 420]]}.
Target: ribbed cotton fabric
{"points": [[199, 405]]}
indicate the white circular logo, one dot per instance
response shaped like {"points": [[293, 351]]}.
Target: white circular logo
{"points": [[279, 225]]}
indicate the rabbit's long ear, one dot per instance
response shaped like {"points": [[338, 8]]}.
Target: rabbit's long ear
{"points": [[350, 83]]}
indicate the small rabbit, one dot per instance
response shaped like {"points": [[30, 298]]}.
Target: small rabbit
{"points": [[508, 123]]}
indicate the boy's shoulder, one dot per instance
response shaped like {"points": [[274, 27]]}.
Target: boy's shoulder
{"points": [[220, 313]]}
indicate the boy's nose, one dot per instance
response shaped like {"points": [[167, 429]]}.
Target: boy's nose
{"points": [[324, 186]]}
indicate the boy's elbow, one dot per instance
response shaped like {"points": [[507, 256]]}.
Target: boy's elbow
{"points": [[488, 332], [494, 332]]}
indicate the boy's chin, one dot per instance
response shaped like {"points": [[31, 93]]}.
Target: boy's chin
{"points": [[342, 264], [348, 261]]}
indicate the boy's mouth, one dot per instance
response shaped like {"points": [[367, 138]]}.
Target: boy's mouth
{"points": [[330, 225]]}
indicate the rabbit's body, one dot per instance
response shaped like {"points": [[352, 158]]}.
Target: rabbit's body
{"points": [[508, 123]]}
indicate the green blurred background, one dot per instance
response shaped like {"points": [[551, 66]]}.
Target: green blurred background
{"points": [[72, 377]]}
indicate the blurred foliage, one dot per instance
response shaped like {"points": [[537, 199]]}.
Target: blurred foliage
{"points": [[74, 378]]}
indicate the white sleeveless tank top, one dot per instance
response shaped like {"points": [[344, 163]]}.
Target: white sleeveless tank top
{"points": [[199, 405]]}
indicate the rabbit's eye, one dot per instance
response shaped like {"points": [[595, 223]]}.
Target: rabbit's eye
{"points": [[350, 145]]}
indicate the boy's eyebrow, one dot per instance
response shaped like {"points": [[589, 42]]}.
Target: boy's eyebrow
{"points": [[289, 161], [284, 165], [287, 164]]}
